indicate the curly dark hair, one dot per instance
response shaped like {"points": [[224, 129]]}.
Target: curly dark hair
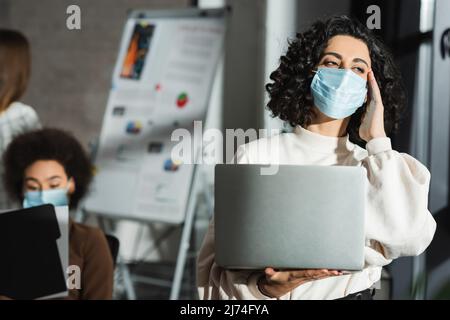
{"points": [[46, 144], [290, 93]]}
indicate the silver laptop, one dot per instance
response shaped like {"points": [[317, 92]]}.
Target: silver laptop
{"points": [[303, 217]]}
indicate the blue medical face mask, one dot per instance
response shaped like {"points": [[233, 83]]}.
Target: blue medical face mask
{"points": [[338, 93], [56, 197]]}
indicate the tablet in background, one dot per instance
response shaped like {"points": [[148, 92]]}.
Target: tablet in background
{"points": [[31, 264]]}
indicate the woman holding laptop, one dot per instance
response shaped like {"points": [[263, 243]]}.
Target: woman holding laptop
{"points": [[339, 87]]}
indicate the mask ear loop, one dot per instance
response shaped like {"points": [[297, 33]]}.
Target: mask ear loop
{"points": [[366, 101]]}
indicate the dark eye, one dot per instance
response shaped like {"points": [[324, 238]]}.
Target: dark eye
{"points": [[330, 63], [54, 186], [359, 70], [32, 188]]}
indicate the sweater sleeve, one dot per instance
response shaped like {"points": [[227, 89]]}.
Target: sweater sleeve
{"points": [[398, 222], [98, 271], [214, 282]]}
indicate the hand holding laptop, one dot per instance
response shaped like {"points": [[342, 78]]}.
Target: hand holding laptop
{"points": [[277, 283]]}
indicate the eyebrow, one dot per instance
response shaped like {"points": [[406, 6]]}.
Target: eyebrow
{"points": [[36, 180], [31, 179], [54, 177], [337, 55]]}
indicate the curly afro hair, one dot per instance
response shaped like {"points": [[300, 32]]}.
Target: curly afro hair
{"points": [[46, 144], [290, 94]]}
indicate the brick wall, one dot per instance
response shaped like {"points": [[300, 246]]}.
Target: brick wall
{"points": [[72, 69]]}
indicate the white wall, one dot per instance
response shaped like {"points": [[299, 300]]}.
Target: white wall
{"points": [[283, 20]]}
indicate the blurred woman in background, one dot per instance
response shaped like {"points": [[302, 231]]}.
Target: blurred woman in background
{"points": [[49, 166], [15, 117]]}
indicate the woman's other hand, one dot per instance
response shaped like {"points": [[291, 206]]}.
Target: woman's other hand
{"points": [[372, 125], [277, 283]]}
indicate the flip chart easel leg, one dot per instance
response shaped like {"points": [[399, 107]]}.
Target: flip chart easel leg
{"points": [[185, 239]]}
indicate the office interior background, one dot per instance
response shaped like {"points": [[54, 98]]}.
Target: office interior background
{"points": [[71, 77]]}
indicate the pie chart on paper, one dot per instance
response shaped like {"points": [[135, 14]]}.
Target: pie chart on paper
{"points": [[182, 100], [134, 127]]}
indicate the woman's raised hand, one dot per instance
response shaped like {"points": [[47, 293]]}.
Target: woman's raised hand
{"points": [[372, 125]]}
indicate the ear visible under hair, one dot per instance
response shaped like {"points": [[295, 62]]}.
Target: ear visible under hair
{"points": [[72, 186]]}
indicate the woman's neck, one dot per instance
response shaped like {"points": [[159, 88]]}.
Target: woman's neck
{"points": [[327, 126]]}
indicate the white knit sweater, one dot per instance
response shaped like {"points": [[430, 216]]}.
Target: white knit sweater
{"points": [[18, 118], [398, 222]]}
